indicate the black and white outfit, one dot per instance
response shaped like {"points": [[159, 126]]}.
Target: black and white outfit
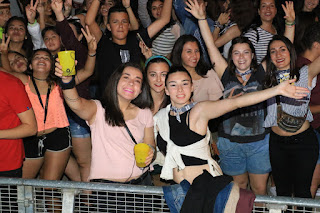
{"points": [[260, 39], [111, 55], [293, 158]]}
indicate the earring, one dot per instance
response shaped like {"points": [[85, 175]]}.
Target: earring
{"points": [[25, 37]]}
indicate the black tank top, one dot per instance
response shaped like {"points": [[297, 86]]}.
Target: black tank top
{"points": [[181, 135]]}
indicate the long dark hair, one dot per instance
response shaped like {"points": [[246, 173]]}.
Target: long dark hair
{"points": [[52, 79], [270, 79], [166, 99], [241, 40], [27, 43], [110, 102], [201, 68], [242, 13]]}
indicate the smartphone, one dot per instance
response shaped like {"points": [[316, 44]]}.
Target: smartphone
{"points": [[140, 39]]}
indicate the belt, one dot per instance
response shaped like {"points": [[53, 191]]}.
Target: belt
{"points": [[133, 181]]}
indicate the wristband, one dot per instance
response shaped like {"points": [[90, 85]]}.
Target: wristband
{"points": [[93, 55], [70, 85], [288, 23], [151, 147], [201, 19], [35, 21], [127, 7], [217, 24]]}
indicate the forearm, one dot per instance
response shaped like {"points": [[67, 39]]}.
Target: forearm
{"points": [[35, 33], [134, 24], [21, 131], [42, 21], [88, 69], [59, 15], [252, 98], [92, 12], [289, 32], [315, 109], [5, 62], [215, 33]]}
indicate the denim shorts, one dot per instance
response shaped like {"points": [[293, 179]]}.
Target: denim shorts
{"points": [[238, 158], [78, 127], [318, 137]]}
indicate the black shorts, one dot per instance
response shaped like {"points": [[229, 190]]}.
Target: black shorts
{"points": [[56, 141]]}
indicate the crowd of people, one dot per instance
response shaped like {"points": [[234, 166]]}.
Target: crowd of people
{"points": [[189, 78]]}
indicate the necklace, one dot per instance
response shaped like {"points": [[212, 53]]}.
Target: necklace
{"points": [[39, 79]]}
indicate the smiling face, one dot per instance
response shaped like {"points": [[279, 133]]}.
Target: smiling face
{"points": [[52, 41], [179, 87], [130, 83], [5, 14], [41, 62], [119, 26], [16, 31], [157, 73], [190, 55], [267, 10], [156, 9], [104, 10], [280, 55], [242, 56], [18, 63], [309, 5]]}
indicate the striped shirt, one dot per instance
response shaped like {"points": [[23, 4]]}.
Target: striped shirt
{"points": [[297, 108], [163, 43], [260, 43]]}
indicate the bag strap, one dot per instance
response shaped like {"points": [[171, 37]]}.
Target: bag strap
{"points": [[128, 130]]}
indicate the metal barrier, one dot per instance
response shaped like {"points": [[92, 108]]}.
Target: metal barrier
{"points": [[28, 196]]}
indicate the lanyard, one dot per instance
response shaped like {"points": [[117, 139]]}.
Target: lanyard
{"points": [[39, 96]]}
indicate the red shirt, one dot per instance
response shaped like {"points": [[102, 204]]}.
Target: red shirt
{"points": [[13, 100]]}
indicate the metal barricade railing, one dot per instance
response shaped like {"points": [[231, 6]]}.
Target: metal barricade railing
{"points": [[28, 196]]}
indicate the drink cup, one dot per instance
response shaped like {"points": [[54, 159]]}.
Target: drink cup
{"points": [[141, 151], [67, 61]]}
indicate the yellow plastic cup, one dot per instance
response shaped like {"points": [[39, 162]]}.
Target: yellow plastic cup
{"points": [[67, 61], [141, 151]]}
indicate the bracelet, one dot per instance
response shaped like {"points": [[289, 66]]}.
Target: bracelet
{"points": [[93, 55], [70, 85], [72, 99], [288, 23], [127, 7], [151, 147], [35, 21], [202, 19], [217, 24]]}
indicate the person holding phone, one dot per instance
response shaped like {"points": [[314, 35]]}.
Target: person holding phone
{"points": [[120, 46]]}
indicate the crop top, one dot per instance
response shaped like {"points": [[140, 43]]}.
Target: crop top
{"points": [[182, 135], [173, 159], [56, 117]]}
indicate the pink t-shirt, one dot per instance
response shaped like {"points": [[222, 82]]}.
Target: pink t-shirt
{"points": [[112, 147], [207, 89]]}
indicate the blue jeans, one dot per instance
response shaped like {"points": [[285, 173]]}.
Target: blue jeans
{"points": [[175, 194]]}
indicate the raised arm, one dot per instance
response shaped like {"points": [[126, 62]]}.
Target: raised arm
{"points": [[85, 109], [34, 27], [41, 18], [289, 20], [198, 11], [88, 69], [134, 24], [90, 20], [227, 105], [158, 24], [313, 70]]}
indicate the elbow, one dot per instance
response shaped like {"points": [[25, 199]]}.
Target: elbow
{"points": [[33, 129]]}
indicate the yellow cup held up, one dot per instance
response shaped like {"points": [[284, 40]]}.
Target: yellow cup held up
{"points": [[67, 61], [141, 151]]}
